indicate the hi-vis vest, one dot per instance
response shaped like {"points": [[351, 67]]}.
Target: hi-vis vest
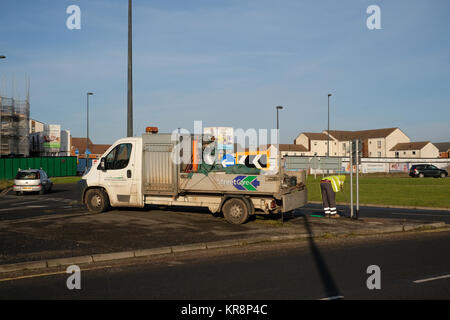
{"points": [[336, 182]]}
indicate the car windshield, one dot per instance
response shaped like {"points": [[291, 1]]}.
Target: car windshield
{"points": [[27, 175]]}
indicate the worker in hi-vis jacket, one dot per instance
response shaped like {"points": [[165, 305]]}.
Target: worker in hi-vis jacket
{"points": [[329, 186]]}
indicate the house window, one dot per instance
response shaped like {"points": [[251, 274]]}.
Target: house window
{"points": [[315, 143], [344, 146], [315, 153], [379, 143], [396, 154], [404, 152], [379, 154], [414, 152]]}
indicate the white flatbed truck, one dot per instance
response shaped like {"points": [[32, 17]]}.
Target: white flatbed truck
{"points": [[139, 171]]}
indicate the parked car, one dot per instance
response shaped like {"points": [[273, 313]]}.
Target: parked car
{"points": [[32, 180], [427, 170]]}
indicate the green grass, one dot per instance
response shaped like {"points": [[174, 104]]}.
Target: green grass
{"points": [[62, 180], [401, 191]]}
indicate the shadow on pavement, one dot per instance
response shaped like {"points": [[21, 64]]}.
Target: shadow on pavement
{"points": [[328, 283]]}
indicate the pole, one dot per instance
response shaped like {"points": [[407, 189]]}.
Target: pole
{"points": [[351, 180], [130, 75], [328, 131], [357, 178], [87, 126], [279, 152]]}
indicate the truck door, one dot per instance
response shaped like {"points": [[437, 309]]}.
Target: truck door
{"points": [[118, 176]]}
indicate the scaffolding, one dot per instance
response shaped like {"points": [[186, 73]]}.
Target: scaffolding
{"points": [[14, 127]]}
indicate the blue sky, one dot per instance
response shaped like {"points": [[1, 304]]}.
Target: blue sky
{"points": [[229, 63]]}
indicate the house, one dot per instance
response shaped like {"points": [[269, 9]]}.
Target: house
{"points": [[422, 149], [315, 144], [444, 149], [79, 145], [375, 142]]}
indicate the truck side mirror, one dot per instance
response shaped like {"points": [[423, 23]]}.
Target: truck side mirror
{"points": [[102, 164]]}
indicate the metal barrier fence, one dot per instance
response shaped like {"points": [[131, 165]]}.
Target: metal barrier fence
{"points": [[321, 165], [54, 166]]}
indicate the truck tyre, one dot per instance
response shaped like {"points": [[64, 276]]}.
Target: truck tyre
{"points": [[235, 211], [96, 200]]}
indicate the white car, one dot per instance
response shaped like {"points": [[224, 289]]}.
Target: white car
{"points": [[33, 180]]}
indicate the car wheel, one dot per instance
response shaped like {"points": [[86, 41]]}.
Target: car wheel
{"points": [[96, 200], [421, 175], [235, 211], [443, 175]]}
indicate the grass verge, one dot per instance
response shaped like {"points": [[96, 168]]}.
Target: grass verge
{"points": [[401, 191]]}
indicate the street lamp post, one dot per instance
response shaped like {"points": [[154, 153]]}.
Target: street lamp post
{"points": [[278, 147], [130, 74], [328, 131], [87, 126]]}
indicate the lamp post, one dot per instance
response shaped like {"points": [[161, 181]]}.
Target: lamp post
{"points": [[130, 74], [328, 131], [279, 151], [87, 126]]}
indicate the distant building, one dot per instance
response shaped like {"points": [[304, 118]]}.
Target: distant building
{"points": [[79, 145], [444, 149], [48, 140], [423, 149], [14, 132], [376, 143], [315, 144]]}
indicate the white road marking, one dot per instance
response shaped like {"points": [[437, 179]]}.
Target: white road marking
{"points": [[432, 279], [333, 298]]}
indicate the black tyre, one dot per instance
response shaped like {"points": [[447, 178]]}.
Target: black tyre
{"points": [[421, 175], [443, 175], [235, 211], [96, 200]]}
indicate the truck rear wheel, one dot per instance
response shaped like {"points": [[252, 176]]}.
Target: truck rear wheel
{"points": [[235, 211], [96, 200]]}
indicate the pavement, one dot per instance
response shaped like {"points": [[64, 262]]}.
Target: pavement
{"points": [[38, 232]]}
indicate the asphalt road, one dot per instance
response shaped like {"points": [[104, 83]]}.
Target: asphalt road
{"points": [[416, 266], [64, 200]]}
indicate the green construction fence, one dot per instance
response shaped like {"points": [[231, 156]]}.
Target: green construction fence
{"points": [[54, 166]]}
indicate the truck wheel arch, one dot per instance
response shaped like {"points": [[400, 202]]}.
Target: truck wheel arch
{"points": [[247, 200], [91, 188]]}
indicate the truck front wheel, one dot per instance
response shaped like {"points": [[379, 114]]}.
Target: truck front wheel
{"points": [[96, 200], [235, 211]]}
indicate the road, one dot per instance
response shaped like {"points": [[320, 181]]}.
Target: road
{"points": [[415, 266], [64, 197]]}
